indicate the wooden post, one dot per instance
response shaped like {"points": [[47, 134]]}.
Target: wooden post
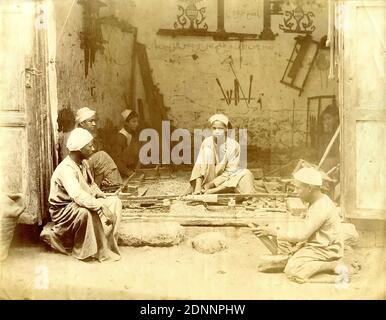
{"points": [[267, 33], [220, 16]]}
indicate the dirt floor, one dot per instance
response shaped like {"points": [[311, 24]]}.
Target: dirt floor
{"points": [[180, 272]]}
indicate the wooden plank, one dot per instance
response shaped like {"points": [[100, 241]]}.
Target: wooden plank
{"points": [[214, 222], [204, 33], [368, 214], [157, 113], [16, 119]]}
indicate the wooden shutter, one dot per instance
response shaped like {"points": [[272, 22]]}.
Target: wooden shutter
{"points": [[364, 109]]}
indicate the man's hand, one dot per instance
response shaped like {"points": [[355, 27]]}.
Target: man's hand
{"points": [[111, 219], [101, 195], [261, 231]]}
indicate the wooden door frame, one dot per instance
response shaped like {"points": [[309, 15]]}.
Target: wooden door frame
{"points": [[37, 98], [351, 112]]}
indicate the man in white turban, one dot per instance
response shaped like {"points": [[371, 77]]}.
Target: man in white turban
{"points": [[102, 166], [312, 246], [85, 221], [217, 167]]}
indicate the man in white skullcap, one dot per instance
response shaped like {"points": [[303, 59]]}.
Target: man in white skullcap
{"points": [[217, 166], [125, 151], [102, 166], [312, 246], [85, 221]]}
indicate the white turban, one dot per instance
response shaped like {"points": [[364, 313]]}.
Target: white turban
{"points": [[219, 117], [125, 113], [83, 114], [78, 138], [309, 176]]}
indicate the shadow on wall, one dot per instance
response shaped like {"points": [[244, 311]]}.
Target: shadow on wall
{"points": [[107, 135], [66, 119]]}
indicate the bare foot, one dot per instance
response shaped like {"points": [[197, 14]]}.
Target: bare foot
{"points": [[348, 267], [108, 255]]}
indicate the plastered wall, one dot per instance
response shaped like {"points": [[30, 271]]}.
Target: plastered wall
{"points": [[106, 88]]}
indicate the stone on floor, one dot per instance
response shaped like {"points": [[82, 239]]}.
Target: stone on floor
{"points": [[162, 234], [209, 242]]}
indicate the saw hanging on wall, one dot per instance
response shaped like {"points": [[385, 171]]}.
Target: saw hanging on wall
{"points": [[300, 63]]}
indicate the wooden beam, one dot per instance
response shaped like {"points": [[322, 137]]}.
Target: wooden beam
{"points": [[220, 16], [267, 33], [223, 36], [213, 221]]}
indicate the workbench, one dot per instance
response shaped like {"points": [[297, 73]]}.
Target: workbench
{"points": [[200, 214]]}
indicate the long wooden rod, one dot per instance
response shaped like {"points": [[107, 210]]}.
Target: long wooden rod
{"points": [[328, 149]]}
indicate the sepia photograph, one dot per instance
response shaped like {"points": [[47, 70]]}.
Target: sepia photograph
{"points": [[192, 150]]}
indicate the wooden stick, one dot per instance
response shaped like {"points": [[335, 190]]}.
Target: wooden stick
{"points": [[329, 147], [124, 184], [127, 196], [268, 243], [250, 88], [293, 123], [222, 90]]}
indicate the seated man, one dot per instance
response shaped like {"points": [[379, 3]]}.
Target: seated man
{"points": [[217, 167], [312, 246], [102, 166], [125, 150], [78, 207]]}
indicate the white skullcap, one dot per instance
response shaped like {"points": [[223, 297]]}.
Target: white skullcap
{"points": [[78, 138], [83, 114], [125, 113], [309, 176], [219, 117]]}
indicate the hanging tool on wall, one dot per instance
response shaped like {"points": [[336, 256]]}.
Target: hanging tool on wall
{"points": [[236, 84], [322, 62], [305, 49], [240, 52], [250, 88], [237, 87], [230, 61], [293, 123], [222, 90]]}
